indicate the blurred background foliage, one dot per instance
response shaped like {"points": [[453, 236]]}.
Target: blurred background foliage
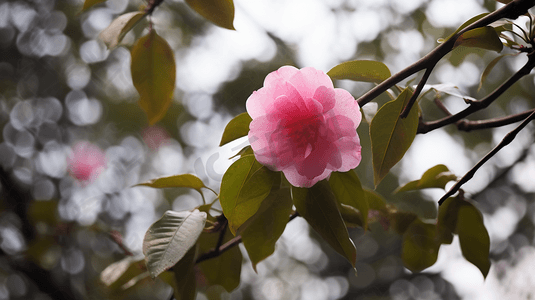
{"points": [[60, 86]]}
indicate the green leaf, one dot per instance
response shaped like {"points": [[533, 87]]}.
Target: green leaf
{"points": [[267, 225], [375, 201], [182, 279], [464, 25], [483, 37], [243, 187], [89, 3], [391, 136], [236, 128], [401, 220], [447, 219], [420, 249], [318, 206], [176, 181], [489, 68], [473, 237], [247, 150], [351, 216], [225, 269], [116, 275], [360, 70], [348, 190], [153, 74], [219, 12], [436, 177], [169, 238], [114, 34]]}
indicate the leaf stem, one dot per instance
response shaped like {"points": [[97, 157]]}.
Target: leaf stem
{"points": [[506, 141]]}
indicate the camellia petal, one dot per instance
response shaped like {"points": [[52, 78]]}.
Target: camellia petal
{"points": [[303, 126]]}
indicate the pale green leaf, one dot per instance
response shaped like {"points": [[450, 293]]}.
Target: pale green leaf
{"points": [[483, 37], [391, 135], [153, 74], [318, 206], [243, 187], [225, 269], [114, 34], [236, 128], [119, 273], [219, 12], [348, 190], [448, 88], [360, 70], [267, 225], [420, 249], [473, 237], [170, 238], [436, 177]]}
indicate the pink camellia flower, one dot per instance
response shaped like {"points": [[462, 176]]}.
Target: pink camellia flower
{"points": [[86, 162], [303, 126]]}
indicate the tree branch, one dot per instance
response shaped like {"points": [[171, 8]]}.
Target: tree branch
{"points": [[466, 125], [506, 141], [512, 10], [426, 127]]}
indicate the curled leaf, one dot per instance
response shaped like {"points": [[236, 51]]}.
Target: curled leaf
{"points": [[114, 34]]}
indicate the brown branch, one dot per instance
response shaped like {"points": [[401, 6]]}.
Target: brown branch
{"points": [[466, 125], [506, 141], [477, 105], [511, 11]]}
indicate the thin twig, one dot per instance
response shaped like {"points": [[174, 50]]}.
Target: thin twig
{"points": [[506, 141], [417, 92], [442, 106], [477, 105], [116, 237]]}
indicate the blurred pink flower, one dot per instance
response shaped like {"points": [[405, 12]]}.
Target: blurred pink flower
{"points": [[303, 126], [155, 136], [86, 162]]}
